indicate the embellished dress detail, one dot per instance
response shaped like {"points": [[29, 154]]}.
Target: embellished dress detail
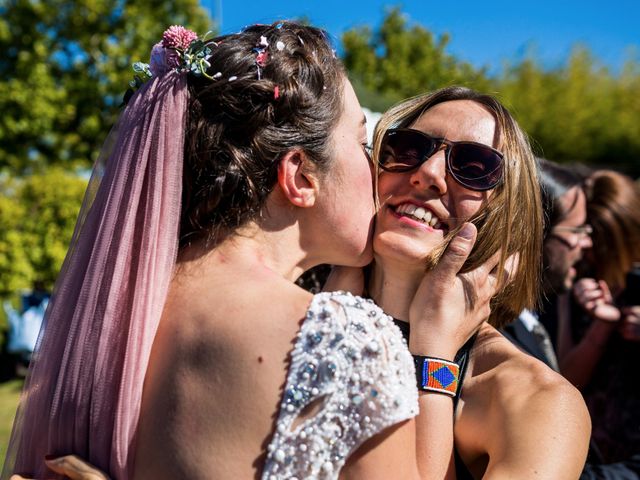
{"points": [[351, 376]]}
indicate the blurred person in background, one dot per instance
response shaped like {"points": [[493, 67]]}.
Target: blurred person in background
{"points": [[568, 242], [565, 239], [599, 341]]}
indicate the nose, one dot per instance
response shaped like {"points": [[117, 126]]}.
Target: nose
{"points": [[586, 242], [431, 175]]}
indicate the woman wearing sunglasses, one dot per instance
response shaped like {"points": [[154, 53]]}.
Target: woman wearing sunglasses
{"points": [[239, 164], [444, 159]]}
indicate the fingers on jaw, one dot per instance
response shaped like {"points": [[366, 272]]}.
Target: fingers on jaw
{"points": [[470, 292], [508, 272], [491, 265], [592, 295], [478, 296]]}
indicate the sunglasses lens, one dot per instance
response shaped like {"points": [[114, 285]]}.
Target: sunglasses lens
{"points": [[403, 150], [475, 167]]}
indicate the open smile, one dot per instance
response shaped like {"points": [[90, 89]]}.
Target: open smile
{"points": [[418, 214]]}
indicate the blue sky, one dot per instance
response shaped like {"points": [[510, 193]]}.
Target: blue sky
{"points": [[485, 33]]}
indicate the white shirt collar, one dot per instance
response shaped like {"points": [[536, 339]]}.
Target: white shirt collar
{"points": [[529, 319]]}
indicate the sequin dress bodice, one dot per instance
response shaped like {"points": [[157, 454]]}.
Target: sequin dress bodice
{"points": [[350, 377]]}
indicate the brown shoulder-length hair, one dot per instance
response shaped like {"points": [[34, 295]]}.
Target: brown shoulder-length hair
{"points": [[511, 219], [613, 210]]}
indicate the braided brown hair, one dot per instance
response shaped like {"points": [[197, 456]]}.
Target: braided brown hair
{"points": [[238, 128]]}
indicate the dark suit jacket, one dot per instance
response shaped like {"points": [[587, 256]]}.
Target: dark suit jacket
{"points": [[518, 334]]}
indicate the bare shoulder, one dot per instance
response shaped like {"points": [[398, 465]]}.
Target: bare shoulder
{"points": [[529, 419], [518, 382], [220, 337]]}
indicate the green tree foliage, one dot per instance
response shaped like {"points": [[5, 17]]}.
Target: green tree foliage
{"points": [[577, 112], [400, 60], [64, 68], [16, 273], [37, 218], [52, 201]]}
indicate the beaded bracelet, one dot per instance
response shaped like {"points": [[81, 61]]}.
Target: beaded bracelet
{"points": [[436, 375]]}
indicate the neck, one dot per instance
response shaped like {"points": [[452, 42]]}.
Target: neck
{"points": [[392, 286], [256, 248]]}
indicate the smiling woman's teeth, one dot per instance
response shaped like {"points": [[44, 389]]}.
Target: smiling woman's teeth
{"points": [[418, 213]]}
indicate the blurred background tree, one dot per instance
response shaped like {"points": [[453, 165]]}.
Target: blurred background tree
{"points": [[577, 112], [37, 218], [64, 68], [16, 272], [50, 202], [399, 60]]}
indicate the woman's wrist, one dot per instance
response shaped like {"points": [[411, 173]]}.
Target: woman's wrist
{"points": [[599, 332], [431, 349]]}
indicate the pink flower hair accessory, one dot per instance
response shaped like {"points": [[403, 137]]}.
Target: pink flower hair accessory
{"points": [[178, 37], [181, 50]]}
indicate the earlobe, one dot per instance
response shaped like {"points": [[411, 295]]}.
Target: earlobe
{"points": [[297, 183]]}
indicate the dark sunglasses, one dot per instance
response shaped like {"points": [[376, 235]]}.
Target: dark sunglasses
{"points": [[473, 165]]}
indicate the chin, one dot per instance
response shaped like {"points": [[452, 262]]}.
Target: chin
{"points": [[390, 245]]}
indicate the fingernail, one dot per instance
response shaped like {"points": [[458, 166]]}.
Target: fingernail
{"points": [[466, 232]]}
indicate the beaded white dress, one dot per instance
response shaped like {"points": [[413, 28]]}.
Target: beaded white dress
{"points": [[350, 377]]}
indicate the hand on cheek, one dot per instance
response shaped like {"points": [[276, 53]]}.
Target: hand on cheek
{"points": [[450, 306]]}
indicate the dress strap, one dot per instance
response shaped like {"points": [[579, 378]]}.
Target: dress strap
{"points": [[462, 359]]}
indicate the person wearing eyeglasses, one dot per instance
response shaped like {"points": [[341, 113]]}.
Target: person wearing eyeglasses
{"points": [[598, 343], [445, 158], [567, 234], [565, 239]]}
